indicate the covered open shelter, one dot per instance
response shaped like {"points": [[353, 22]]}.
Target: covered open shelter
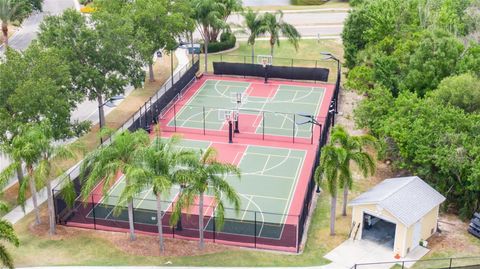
{"points": [[399, 213]]}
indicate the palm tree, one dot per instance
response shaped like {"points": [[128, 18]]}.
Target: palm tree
{"points": [[105, 162], [8, 13], [335, 161], [7, 150], [256, 26], [48, 166], [275, 27], [201, 173], [355, 152], [155, 169], [7, 233], [27, 148], [208, 15]]}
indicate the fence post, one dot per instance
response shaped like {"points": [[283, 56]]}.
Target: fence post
{"points": [[203, 120], [403, 264], [214, 228], [263, 125], [93, 213], [175, 117], [54, 205], [450, 266], [255, 230], [293, 129], [311, 138], [297, 235]]}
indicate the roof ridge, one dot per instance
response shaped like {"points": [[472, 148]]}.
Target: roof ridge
{"points": [[404, 184]]}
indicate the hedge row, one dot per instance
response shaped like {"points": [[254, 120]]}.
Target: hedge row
{"points": [[308, 2], [227, 41]]}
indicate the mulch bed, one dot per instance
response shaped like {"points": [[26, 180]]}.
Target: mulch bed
{"points": [[144, 245]]}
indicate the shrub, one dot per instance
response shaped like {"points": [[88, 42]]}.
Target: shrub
{"points": [[308, 2], [227, 41]]}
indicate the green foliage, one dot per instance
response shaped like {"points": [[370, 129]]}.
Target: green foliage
{"points": [[462, 91], [211, 16], [204, 173], [275, 27], [470, 62], [7, 234], [361, 79], [432, 60], [435, 141], [404, 55], [44, 71], [227, 41], [335, 164], [101, 61], [308, 2], [156, 23]]}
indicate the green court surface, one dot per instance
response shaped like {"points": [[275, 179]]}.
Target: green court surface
{"points": [[266, 189], [275, 114], [146, 201]]}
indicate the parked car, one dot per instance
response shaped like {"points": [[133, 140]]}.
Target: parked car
{"points": [[474, 227]]}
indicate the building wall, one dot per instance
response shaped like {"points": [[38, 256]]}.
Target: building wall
{"points": [[403, 235], [400, 230], [429, 223]]}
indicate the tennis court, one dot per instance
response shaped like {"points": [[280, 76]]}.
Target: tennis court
{"points": [[272, 109], [266, 189]]}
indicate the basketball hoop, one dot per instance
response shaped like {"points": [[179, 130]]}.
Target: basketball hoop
{"points": [[264, 63], [265, 60], [238, 98], [225, 115]]}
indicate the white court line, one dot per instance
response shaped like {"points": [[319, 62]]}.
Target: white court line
{"points": [[265, 166], [189, 101], [246, 208], [269, 100]]}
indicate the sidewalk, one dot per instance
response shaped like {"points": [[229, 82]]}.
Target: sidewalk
{"points": [[18, 213]]}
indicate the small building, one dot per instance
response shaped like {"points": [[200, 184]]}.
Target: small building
{"points": [[398, 213]]}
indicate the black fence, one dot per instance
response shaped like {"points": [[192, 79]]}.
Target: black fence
{"points": [[271, 71], [246, 228], [257, 232], [441, 263], [143, 118], [254, 124]]}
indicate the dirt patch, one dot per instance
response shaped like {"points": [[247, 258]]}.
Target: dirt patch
{"points": [[144, 245], [454, 237]]}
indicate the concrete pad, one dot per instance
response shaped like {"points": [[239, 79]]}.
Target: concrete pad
{"points": [[350, 252]]}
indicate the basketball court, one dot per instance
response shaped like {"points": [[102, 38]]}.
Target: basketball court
{"points": [[270, 176], [279, 110]]}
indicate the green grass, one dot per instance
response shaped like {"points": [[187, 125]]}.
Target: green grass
{"points": [[327, 5], [84, 248], [307, 55]]}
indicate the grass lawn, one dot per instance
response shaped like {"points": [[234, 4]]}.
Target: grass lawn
{"points": [[85, 247], [327, 5], [114, 120], [307, 55]]}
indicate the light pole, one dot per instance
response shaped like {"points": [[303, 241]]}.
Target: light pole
{"points": [[329, 56], [109, 103], [311, 119]]}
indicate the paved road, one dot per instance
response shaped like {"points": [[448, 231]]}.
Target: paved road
{"points": [[28, 32], [308, 23]]}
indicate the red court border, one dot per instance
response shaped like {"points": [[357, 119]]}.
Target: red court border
{"points": [[296, 204], [198, 84], [226, 151]]}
